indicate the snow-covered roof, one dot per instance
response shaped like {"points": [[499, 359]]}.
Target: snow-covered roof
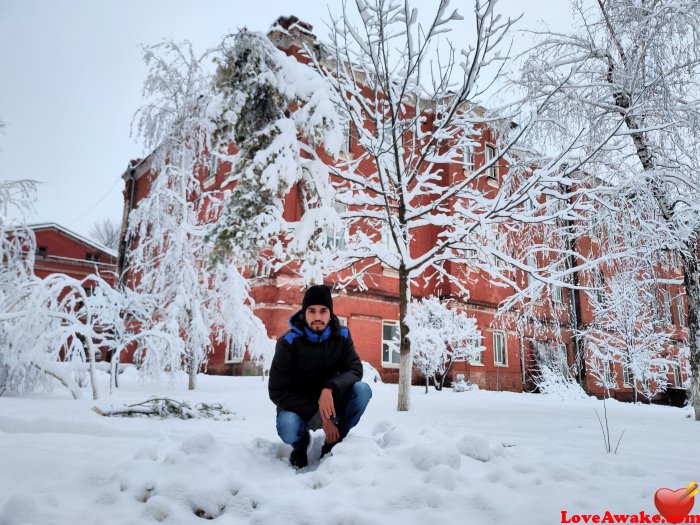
{"points": [[84, 240]]}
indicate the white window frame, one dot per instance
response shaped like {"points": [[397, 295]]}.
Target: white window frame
{"points": [[677, 373], [599, 283], [563, 356], [388, 239], [680, 311], [346, 145], [210, 180], [594, 228], [492, 173], [667, 316], [531, 261], [674, 259], [391, 363], [626, 378], [468, 158], [557, 295], [608, 373], [501, 349], [234, 353], [479, 359], [335, 238]]}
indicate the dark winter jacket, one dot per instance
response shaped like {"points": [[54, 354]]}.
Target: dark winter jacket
{"points": [[306, 362]]}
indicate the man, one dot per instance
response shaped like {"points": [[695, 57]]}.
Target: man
{"points": [[315, 378]]}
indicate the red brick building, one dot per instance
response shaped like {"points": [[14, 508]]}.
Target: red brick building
{"points": [[372, 314], [59, 250]]}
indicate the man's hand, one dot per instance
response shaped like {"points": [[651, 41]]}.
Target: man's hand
{"points": [[331, 431], [326, 407]]}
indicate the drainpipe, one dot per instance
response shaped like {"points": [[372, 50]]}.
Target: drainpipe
{"points": [[131, 172]]}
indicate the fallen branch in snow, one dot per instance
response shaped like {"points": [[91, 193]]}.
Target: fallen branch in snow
{"points": [[164, 407]]}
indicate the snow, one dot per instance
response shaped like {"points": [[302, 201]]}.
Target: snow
{"points": [[489, 457]]}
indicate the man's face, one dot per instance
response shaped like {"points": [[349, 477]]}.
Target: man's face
{"points": [[317, 317]]}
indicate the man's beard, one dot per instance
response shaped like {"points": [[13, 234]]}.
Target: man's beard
{"points": [[317, 328]]}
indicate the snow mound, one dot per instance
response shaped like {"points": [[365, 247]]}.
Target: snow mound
{"points": [[18, 510], [474, 446], [427, 456], [370, 374]]}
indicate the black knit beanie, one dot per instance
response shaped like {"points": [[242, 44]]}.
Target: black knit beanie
{"points": [[318, 294]]}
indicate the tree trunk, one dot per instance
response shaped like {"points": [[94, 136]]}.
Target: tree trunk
{"points": [[690, 260], [91, 368], [692, 292], [192, 372], [406, 361]]}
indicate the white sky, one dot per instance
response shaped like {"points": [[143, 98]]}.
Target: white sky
{"points": [[71, 76]]}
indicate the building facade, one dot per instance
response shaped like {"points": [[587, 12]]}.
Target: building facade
{"points": [[509, 361]]}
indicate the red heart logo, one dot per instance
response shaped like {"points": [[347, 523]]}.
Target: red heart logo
{"points": [[674, 505]]}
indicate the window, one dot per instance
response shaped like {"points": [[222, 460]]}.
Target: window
{"points": [[680, 311], [556, 294], [388, 239], [563, 358], [609, 376], [500, 355], [599, 284], [234, 352], [594, 227], [468, 158], [677, 374], [41, 251], [492, 174], [626, 376], [532, 262], [390, 343], [666, 308], [347, 138], [211, 176], [674, 259], [476, 359], [93, 257], [335, 238]]}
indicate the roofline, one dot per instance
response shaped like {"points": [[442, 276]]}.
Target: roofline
{"points": [[84, 240]]}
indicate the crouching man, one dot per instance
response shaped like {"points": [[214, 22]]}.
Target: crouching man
{"points": [[315, 378]]}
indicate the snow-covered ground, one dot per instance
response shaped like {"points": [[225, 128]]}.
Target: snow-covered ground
{"points": [[474, 457]]}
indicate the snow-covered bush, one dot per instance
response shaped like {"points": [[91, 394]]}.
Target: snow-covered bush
{"points": [[440, 337], [625, 332]]}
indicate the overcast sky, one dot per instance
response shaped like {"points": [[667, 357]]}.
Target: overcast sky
{"points": [[71, 74]]}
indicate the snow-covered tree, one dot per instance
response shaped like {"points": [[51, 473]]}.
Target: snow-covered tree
{"points": [[416, 161], [630, 72], [280, 116], [625, 332], [48, 332], [440, 336], [17, 245], [170, 259], [106, 232]]}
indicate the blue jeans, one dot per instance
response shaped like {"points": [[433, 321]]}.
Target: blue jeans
{"points": [[292, 428]]}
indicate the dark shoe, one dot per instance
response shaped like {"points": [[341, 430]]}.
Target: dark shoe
{"points": [[298, 458], [327, 447]]}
